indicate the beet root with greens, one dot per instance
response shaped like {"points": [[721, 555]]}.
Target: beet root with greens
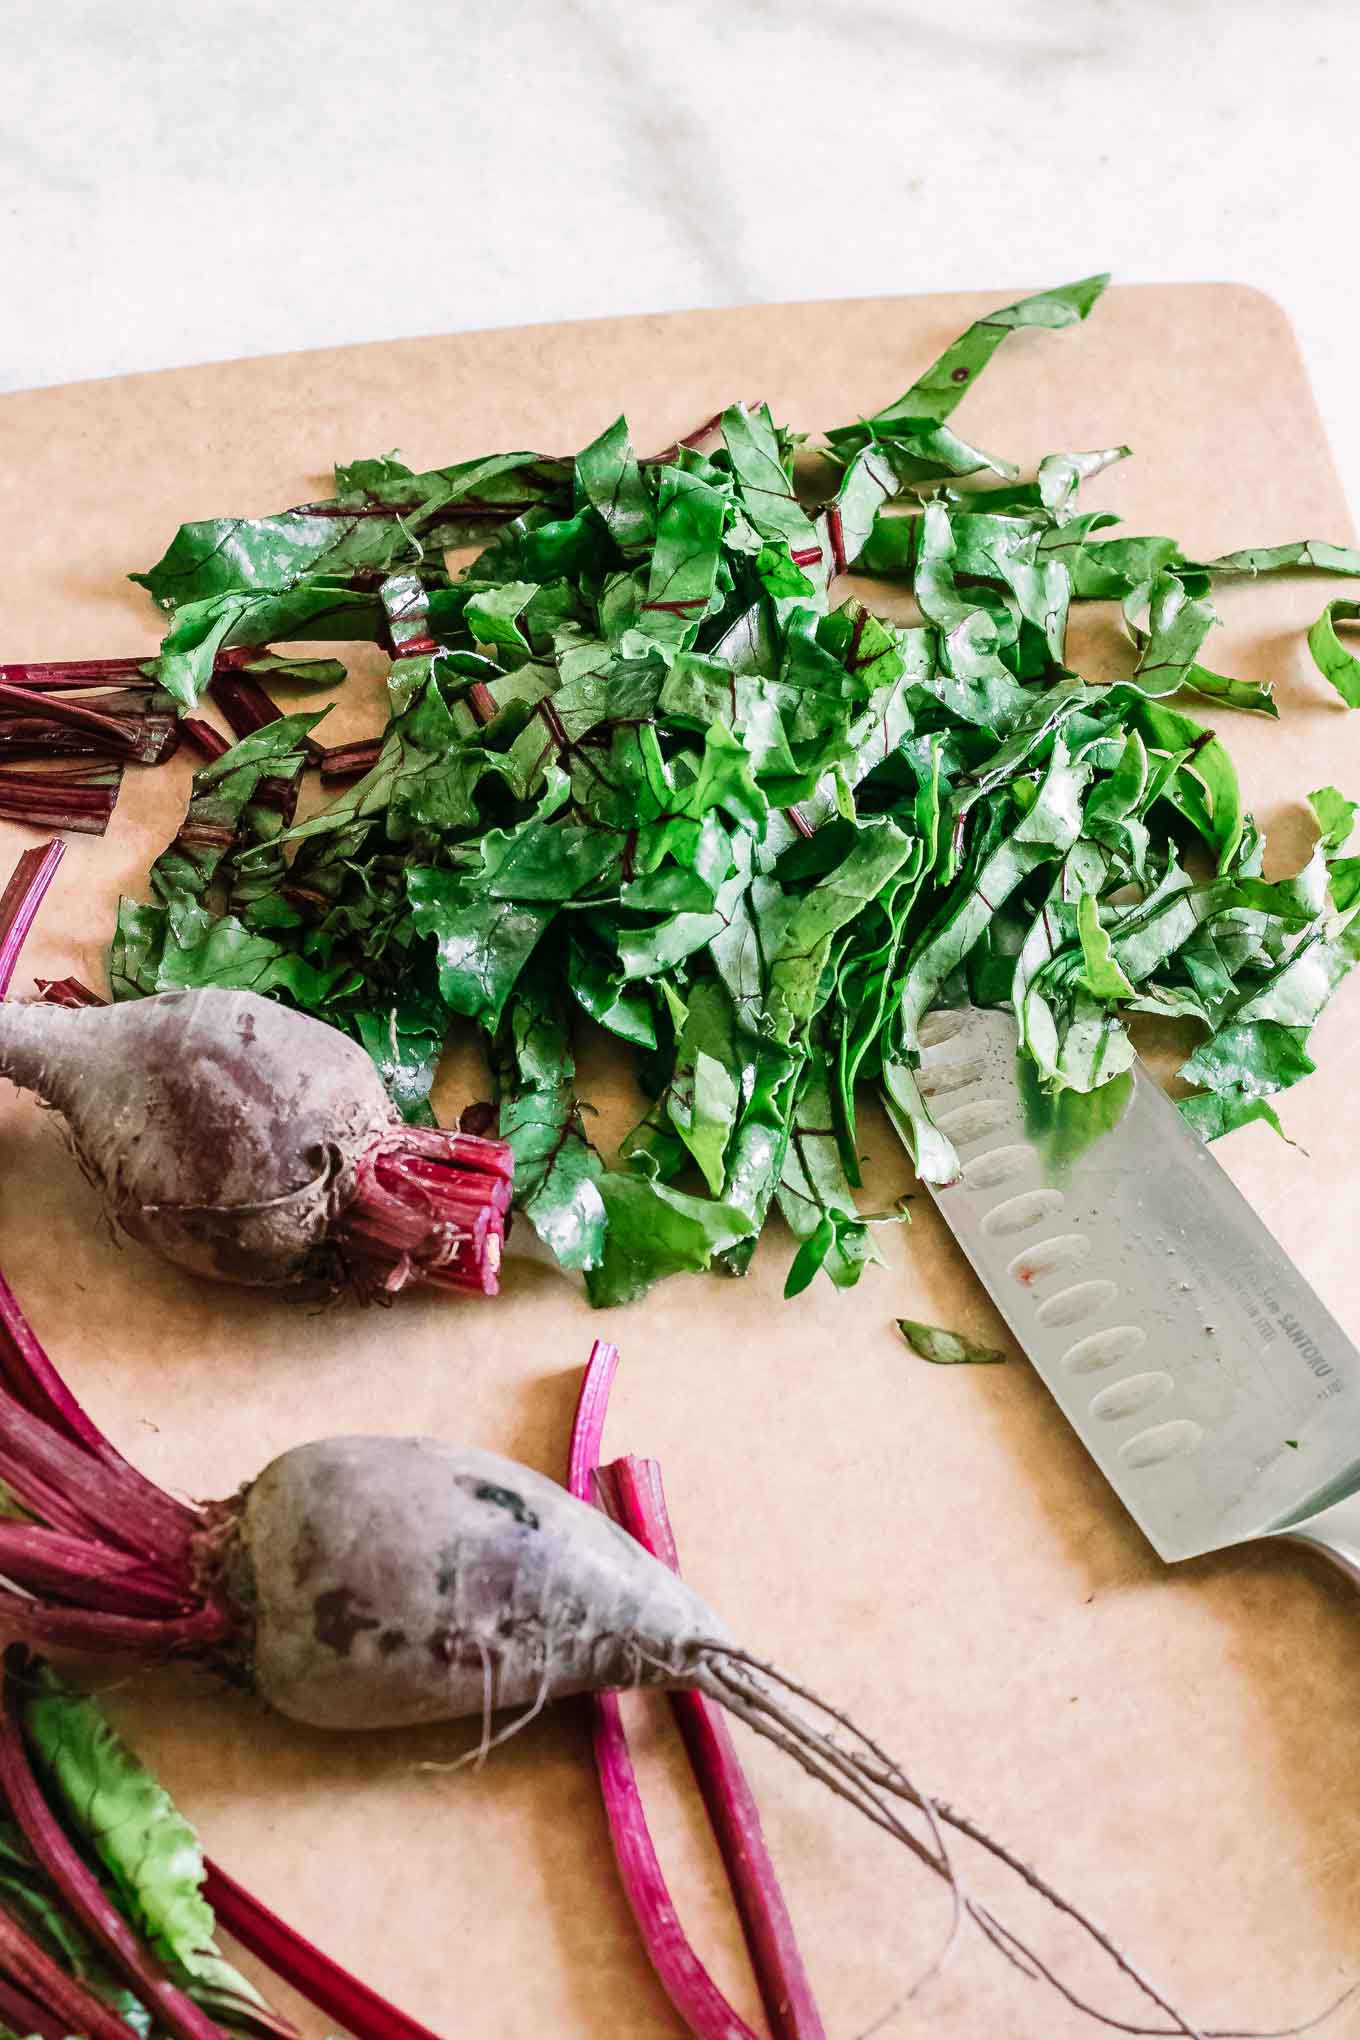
{"points": [[253, 1144], [380, 1582]]}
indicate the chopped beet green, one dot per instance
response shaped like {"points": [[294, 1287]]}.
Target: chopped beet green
{"points": [[643, 770]]}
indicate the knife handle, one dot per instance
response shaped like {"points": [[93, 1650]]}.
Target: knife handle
{"points": [[1334, 1533]]}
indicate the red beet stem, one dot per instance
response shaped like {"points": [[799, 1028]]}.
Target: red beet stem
{"points": [[208, 742], [112, 1563], [59, 675], [34, 1382], [482, 702], [20, 2013], [679, 1971], [693, 440], [80, 1889], [247, 707], [67, 991], [835, 531], [350, 761], [321, 1981], [20, 901], [429, 1205], [243, 702], [64, 2006], [634, 1495], [278, 796], [114, 1503], [80, 797], [146, 736]]}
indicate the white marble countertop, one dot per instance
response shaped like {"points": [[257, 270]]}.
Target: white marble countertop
{"points": [[184, 183]]}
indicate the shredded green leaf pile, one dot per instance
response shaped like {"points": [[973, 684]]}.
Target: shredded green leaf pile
{"points": [[640, 770]]}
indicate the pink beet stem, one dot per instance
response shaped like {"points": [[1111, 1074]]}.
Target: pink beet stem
{"points": [[430, 1205], [320, 1980], [636, 1499], [681, 1974], [80, 1889], [20, 901]]}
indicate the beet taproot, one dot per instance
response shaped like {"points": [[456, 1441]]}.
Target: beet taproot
{"points": [[253, 1144], [370, 1582]]}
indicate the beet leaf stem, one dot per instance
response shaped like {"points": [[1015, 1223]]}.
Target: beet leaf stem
{"points": [[634, 1495], [679, 1971], [291, 1956], [62, 2006], [81, 1891]]}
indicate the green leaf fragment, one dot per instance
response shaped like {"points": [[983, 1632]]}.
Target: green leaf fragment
{"points": [[1275, 559], [947, 1349], [1100, 974], [1330, 656], [1335, 817], [129, 1820], [481, 943], [944, 384], [608, 474], [652, 1231]]}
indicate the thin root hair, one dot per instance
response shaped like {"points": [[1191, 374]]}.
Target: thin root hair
{"points": [[864, 1775]]}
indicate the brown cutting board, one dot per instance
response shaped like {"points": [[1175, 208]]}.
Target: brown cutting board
{"points": [[1179, 1748]]}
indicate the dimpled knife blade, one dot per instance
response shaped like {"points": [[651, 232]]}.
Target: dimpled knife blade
{"points": [[1217, 1394]]}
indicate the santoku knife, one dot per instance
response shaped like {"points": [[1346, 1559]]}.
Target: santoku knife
{"points": [[1216, 1393]]}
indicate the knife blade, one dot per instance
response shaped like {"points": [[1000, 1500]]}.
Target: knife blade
{"points": [[1212, 1387]]}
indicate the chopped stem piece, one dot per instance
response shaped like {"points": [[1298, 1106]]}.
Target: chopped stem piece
{"points": [[20, 901], [67, 991], [432, 1204], [208, 742], [350, 761], [80, 797]]}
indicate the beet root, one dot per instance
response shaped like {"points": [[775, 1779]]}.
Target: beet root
{"points": [[389, 1581], [371, 1582], [253, 1144], [384, 1582]]}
